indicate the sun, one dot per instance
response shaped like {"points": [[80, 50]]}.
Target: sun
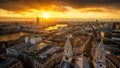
{"points": [[46, 15]]}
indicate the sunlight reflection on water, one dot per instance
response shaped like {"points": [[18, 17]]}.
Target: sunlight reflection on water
{"points": [[55, 27]]}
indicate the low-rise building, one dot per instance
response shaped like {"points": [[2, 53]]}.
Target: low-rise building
{"points": [[34, 54], [8, 62]]}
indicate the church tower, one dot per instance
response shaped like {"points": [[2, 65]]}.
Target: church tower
{"points": [[100, 54], [68, 53]]}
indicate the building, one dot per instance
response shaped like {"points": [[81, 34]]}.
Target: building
{"points": [[26, 52], [67, 55], [37, 20], [50, 57], [81, 62], [8, 62], [34, 39], [100, 55], [37, 54]]}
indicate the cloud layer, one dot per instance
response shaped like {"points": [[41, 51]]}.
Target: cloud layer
{"points": [[58, 5]]}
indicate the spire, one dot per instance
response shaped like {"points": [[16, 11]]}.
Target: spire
{"points": [[68, 53], [101, 56], [102, 36]]}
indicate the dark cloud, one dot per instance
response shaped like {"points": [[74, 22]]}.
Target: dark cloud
{"points": [[93, 10], [23, 5]]}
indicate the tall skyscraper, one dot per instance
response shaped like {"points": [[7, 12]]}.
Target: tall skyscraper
{"points": [[37, 20]]}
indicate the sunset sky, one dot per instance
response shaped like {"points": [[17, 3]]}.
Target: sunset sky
{"points": [[60, 8]]}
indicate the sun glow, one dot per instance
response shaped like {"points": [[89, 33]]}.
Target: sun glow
{"points": [[71, 13], [46, 15]]}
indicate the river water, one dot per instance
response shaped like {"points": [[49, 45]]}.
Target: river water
{"points": [[14, 36], [55, 27]]}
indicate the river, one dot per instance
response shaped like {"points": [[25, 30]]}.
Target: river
{"points": [[55, 27], [14, 36]]}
